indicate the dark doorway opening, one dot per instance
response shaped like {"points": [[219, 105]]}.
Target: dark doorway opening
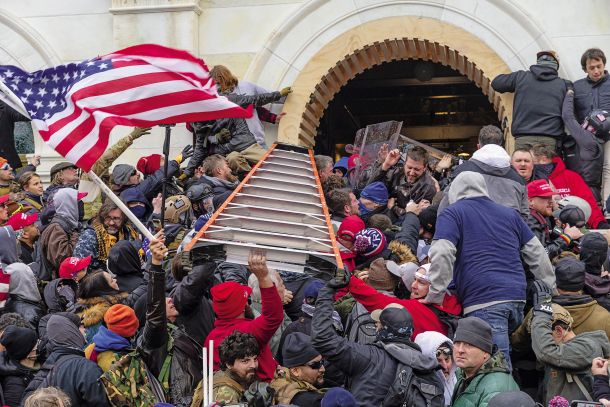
{"points": [[437, 105]]}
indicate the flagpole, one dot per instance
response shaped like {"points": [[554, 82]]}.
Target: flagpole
{"points": [[168, 133], [136, 222]]}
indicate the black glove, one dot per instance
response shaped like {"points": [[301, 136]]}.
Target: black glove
{"points": [[340, 280], [542, 298], [223, 136], [187, 152]]}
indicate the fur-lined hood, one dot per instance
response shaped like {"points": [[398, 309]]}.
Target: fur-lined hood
{"points": [[403, 252], [92, 310]]}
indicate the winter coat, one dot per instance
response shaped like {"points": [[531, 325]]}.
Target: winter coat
{"points": [[24, 297], [88, 245], [8, 246], [424, 319], [371, 368], [8, 118], [601, 388], [262, 328], [241, 136], [504, 185], [14, 378], [186, 359], [583, 151], [568, 182], [220, 188], [492, 378], [149, 185], [124, 262], [539, 94], [429, 342], [589, 96], [107, 347], [291, 390], [541, 228], [567, 362]]}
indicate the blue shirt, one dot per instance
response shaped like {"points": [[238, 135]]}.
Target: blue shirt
{"points": [[488, 238]]}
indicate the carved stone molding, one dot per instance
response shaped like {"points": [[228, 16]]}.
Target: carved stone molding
{"points": [[153, 6]]}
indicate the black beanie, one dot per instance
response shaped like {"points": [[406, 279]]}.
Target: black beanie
{"points": [[18, 342], [570, 274], [512, 399], [593, 252], [475, 332], [298, 350], [427, 218]]}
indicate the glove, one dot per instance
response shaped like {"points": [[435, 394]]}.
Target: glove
{"points": [[139, 132], [286, 91], [340, 280], [186, 153], [223, 136], [542, 298]]}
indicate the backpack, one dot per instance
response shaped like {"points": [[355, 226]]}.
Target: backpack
{"points": [[449, 320], [129, 382], [414, 388], [360, 328]]}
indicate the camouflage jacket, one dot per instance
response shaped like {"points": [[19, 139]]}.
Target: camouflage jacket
{"points": [[226, 388]]}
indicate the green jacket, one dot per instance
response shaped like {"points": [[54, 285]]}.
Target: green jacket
{"points": [[492, 378], [567, 366]]}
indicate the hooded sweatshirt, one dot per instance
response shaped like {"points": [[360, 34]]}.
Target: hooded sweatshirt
{"points": [[429, 342], [8, 246], [479, 245], [23, 283], [66, 206], [124, 262]]}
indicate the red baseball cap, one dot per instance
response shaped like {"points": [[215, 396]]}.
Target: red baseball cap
{"points": [[4, 198], [539, 188], [81, 195], [72, 265], [20, 220]]}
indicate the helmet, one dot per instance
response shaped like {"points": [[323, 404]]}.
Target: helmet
{"points": [[199, 192], [600, 121], [177, 208], [560, 314]]}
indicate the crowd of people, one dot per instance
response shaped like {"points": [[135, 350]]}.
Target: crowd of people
{"points": [[479, 283]]}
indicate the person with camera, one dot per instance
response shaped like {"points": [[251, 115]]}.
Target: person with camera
{"points": [[566, 357]]}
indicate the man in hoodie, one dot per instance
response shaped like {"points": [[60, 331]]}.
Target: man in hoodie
{"points": [[539, 95], [372, 368], [24, 297], [59, 238], [219, 177], [566, 357], [504, 185], [437, 345], [550, 166], [480, 245], [125, 263], [594, 253]]}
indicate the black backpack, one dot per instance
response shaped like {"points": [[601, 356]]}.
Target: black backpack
{"points": [[360, 327], [449, 320], [414, 388]]}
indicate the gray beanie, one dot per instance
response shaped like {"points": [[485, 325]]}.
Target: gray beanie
{"points": [[121, 174], [298, 350], [475, 332]]}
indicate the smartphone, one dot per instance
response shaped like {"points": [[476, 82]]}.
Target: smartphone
{"points": [[585, 403]]}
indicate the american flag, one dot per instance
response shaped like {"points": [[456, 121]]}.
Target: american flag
{"points": [[75, 106]]}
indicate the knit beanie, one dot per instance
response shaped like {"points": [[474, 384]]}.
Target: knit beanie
{"points": [[18, 341], [570, 274], [379, 276], [121, 174], [427, 218], [475, 332], [149, 164], [593, 252], [298, 350], [229, 299], [338, 397], [376, 192], [349, 227], [121, 320], [512, 399], [370, 242]]}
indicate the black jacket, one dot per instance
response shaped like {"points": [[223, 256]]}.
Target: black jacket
{"points": [[31, 311], [601, 388], [124, 262], [539, 95], [14, 378], [185, 369], [370, 368], [589, 96], [220, 188], [8, 117]]}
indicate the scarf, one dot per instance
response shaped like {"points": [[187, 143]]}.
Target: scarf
{"points": [[105, 240], [309, 309], [105, 340]]}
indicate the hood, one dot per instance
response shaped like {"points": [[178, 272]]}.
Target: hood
{"points": [[63, 333], [52, 297], [133, 194], [492, 155], [124, 259], [121, 174], [430, 341], [217, 182], [107, 340], [543, 73], [23, 283], [560, 166], [410, 356], [466, 185], [495, 364], [580, 307], [596, 338], [92, 310], [232, 272], [66, 205], [593, 252], [570, 300], [8, 245]]}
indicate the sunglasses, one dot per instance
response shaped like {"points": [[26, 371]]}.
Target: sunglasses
{"points": [[444, 351], [317, 365]]}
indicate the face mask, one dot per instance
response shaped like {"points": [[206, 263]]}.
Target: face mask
{"points": [[139, 211], [546, 169], [363, 209]]}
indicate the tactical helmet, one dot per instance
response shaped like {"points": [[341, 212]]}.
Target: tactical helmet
{"points": [[600, 121], [177, 208]]}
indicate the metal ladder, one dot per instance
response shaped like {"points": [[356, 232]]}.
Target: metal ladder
{"points": [[279, 207]]}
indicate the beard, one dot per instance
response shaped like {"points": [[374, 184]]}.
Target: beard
{"points": [[248, 313], [231, 177]]}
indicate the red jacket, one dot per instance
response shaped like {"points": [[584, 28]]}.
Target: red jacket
{"points": [[424, 319], [262, 328], [568, 182]]}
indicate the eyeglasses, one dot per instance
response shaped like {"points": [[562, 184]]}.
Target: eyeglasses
{"points": [[316, 365], [444, 351], [114, 219]]}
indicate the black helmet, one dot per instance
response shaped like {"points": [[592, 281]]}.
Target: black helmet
{"points": [[198, 192], [600, 121]]}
